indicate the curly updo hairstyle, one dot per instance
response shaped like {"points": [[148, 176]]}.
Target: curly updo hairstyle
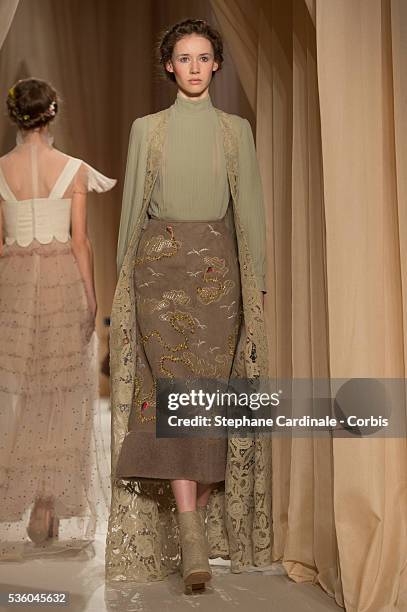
{"points": [[170, 38], [32, 103]]}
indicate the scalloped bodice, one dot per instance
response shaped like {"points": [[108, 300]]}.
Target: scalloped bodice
{"points": [[30, 210], [42, 219]]}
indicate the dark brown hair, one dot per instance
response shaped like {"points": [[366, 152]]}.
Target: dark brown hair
{"points": [[32, 103], [170, 37]]}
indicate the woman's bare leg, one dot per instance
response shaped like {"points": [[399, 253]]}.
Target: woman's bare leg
{"points": [[189, 494], [185, 494], [203, 492]]}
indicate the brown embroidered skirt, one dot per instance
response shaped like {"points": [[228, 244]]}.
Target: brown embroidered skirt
{"points": [[188, 296]]}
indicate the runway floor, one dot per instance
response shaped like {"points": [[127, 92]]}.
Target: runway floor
{"points": [[82, 576]]}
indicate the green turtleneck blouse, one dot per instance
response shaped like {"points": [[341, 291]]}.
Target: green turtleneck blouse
{"points": [[192, 184]]}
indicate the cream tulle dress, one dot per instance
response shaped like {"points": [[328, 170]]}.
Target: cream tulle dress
{"points": [[50, 444]]}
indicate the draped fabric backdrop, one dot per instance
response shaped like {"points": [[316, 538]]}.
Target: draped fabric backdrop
{"points": [[323, 83], [7, 11], [327, 81], [362, 60]]}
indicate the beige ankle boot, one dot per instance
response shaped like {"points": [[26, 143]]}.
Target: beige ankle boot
{"points": [[202, 511], [195, 564]]}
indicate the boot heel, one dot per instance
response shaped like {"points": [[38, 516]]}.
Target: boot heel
{"points": [[196, 571], [194, 588]]}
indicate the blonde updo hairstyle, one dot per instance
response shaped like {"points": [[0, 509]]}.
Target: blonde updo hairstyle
{"points": [[32, 103]]}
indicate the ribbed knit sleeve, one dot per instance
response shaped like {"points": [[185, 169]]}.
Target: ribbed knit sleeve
{"points": [[251, 203], [133, 186]]}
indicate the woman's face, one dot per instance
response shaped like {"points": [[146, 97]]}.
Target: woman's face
{"points": [[193, 63]]}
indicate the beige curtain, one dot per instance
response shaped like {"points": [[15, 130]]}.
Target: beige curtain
{"points": [[331, 141], [362, 71], [7, 11], [100, 57]]}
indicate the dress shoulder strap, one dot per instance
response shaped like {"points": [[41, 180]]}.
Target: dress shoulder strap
{"points": [[65, 178], [5, 191]]}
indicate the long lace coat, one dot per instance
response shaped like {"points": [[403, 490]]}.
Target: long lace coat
{"points": [[142, 541]]}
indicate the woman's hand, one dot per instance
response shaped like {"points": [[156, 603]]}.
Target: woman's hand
{"points": [[93, 308], [90, 325]]}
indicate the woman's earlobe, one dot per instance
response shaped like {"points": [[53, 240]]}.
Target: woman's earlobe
{"points": [[169, 66]]}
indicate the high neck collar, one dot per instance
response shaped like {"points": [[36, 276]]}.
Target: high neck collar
{"points": [[35, 137], [189, 105]]}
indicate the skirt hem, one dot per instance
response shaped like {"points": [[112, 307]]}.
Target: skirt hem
{"points": [[145, 456]]}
